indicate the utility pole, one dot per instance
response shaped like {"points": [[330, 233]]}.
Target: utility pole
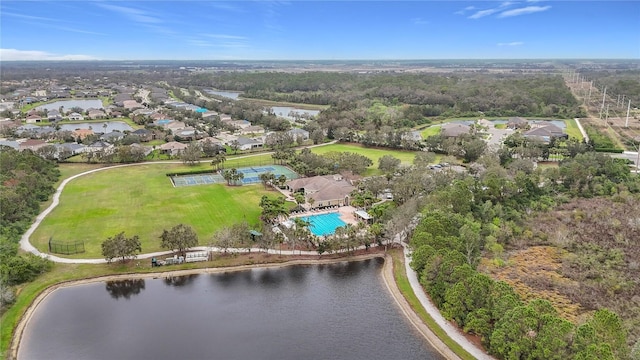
{"points": [[604, 95], [626, 123], [607, 114]]}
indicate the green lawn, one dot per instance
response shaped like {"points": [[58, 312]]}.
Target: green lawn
{"points": [[141, 200], [430, 131], [572, 129], [372, 153]]}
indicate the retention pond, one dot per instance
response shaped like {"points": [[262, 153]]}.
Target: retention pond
{"points": [[330, 311]]}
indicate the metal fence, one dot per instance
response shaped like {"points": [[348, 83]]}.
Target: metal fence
{"points": [[66, 248]]}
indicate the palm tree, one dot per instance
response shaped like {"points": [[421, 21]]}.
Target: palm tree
{"points": [[228, 176]]}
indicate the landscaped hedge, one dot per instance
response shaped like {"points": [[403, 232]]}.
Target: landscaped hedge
{"points": [[609, 150], [193, 172]]}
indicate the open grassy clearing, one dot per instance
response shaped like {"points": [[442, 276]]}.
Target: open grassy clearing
{"points": [[572, 129], [141, 200], [430, 131], [372, 153]]}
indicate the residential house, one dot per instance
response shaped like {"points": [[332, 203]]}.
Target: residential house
{"points": [[144, 134], [80, 134], [131, 104], [54, 115], [32, 144], [297, 132], [74, 116], [241, 124], [70, 148], [97, 114], [100, 146], [450, 130], [32, 119], [517, 123], [248, 144], [545, 132], [187, 133], [174, 125], [112, 137], [209, 114], [323, 191], [145, 149], [255, 129], [172, 148]]}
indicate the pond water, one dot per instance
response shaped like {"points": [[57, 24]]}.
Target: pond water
{"points": [[68, 104], [98, 126], [287, 112], [331, 311], [228, 94]]}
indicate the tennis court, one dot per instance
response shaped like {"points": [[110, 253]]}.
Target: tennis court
{"points": [[251, 176]]}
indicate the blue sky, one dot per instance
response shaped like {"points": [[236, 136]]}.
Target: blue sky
{"points": [[310, 30]]}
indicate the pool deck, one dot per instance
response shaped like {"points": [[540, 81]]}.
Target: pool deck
{"points": [[346, 214]]}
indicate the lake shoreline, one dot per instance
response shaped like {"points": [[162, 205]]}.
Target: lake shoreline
{"points": [[387, 276]]}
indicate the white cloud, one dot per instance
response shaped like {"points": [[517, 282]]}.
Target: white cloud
{"points": [[136, 15], [14, 55], [513, 43], [468, 8], [483, 13], [523, 11], [224, 36]]}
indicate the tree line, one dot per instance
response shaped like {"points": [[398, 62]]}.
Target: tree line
{"points": [[484, 213], [26, 180]]}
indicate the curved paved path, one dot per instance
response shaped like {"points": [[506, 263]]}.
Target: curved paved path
{"points": [[452, 331], [26, 245]]}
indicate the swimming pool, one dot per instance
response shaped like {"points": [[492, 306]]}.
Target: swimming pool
{"points": [[324, 224]]}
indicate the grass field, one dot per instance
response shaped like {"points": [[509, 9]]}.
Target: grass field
{"points": [[141, 200], [572, 129], [372, 153], [430, 131]]}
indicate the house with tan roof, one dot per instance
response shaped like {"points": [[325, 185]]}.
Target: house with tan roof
{"points": [[132, 104], [80, 134], [255, 129], [97, 114], [34, 118], [32, 144], [172, 148], [323, 191], [454, 130]]}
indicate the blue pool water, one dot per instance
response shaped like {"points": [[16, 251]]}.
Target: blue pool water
{"points": [[202, 110], [163, 122], [324, 224]]}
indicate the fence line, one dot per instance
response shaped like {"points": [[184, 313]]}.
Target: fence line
{"points": [[66, 248]]}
